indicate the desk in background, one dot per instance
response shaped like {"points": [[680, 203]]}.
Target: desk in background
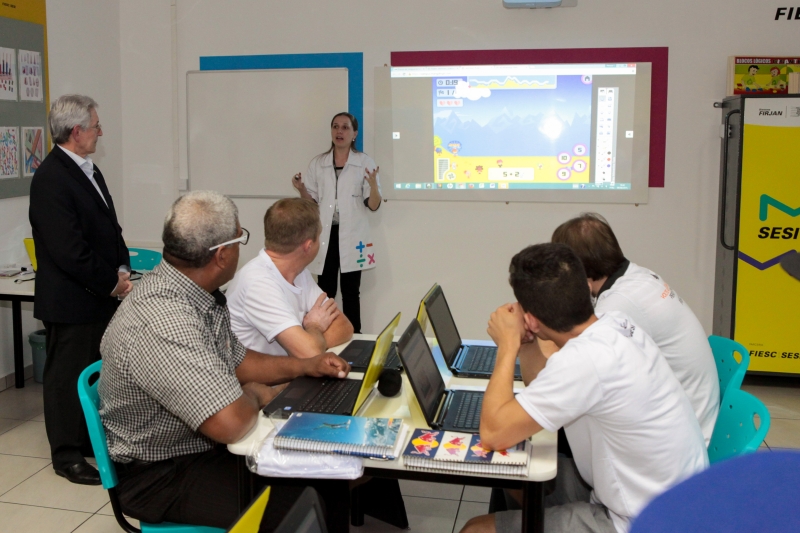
{"points": [[17, 293], [541, 468]]}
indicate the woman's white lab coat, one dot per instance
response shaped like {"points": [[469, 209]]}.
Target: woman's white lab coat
{"points": [[356, 250]]}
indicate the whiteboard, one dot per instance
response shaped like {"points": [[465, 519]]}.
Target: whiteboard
{"points": [[250, 131]]}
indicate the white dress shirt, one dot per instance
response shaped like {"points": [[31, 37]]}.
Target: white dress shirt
{"points": [[88, 168]]}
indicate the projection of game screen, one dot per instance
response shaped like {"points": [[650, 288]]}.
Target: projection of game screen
{"points": [[540, 131]]}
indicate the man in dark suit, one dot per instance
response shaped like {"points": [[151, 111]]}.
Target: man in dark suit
{"points": [[83, 271]]}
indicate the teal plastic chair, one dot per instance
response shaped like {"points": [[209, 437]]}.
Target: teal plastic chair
{"points": [[90, 402], [735, 432], [143, 260], [730, 371]]}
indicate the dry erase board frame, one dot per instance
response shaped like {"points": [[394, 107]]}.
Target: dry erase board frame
{"points": [[23, 28], [250, 131]]}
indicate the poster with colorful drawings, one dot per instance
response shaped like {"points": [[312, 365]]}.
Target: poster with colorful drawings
{"points": [[8, 74], [30, 76], [33, 146], [9, 152]]}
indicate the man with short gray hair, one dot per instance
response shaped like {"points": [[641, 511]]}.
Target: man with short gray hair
{"points": [[83, 270], [177, 385]]}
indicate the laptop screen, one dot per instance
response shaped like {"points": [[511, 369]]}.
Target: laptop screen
{"points": [[421, 369], [443, 325], [376, 361]]}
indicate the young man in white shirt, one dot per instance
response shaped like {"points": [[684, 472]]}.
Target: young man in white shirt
{"points": [[276, 307], [631, 426], [620, 285]]}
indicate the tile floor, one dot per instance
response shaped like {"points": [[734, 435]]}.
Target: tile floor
{"points": [[34, 499]]}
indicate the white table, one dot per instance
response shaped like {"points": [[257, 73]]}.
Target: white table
{"points": [[541, 467], [17, 293]]}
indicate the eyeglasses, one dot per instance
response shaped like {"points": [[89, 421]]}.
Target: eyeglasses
{"points": [[243, 240], [97, 127]]}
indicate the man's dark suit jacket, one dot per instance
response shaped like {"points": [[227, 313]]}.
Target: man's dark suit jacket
{"points": [[79, 245]]}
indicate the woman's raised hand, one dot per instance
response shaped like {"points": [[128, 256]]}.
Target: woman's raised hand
{"points": [[372, 177], [297, 182]]}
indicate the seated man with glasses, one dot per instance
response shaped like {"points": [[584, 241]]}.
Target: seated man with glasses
{"points": [[276, 306], [176, 384]]}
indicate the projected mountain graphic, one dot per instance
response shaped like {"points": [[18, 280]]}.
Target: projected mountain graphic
{"points": [[514, 135]]}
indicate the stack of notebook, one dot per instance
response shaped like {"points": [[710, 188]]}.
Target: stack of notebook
{"points": [[462, 452], [377, 438]]}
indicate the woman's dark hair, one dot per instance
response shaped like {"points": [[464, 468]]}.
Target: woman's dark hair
{"points": [[592, 240], [550, 283], [353, 122]]}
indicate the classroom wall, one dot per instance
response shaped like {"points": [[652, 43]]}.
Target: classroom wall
{"points": [[83, 51], [121, 52]]}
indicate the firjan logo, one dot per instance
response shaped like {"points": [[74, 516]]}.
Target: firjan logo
{"points": [[767, 201]]}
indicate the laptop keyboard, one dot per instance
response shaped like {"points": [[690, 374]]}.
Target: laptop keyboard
{"points": [[330, 397], [468, 413], [482, 358], [392, 359]]}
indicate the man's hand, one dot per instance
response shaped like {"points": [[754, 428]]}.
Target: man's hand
{"points": [[321, 314], [263, 394], [124, 285], [326, 365], [507, 327]]}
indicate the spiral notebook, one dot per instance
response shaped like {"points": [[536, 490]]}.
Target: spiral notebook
{"points": [[376, 438], [462, 452]]}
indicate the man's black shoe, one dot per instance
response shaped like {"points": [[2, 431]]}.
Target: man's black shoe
{"points": [[82, 473]]}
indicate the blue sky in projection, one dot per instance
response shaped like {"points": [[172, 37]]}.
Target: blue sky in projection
{"points": [[516, 122]]}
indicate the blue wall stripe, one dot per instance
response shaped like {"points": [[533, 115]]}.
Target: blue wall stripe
{"points": [[353, 62]]}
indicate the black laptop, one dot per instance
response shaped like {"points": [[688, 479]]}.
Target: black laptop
{"points": [[359, 352], [331, 395], [448, 410], [464, 360]]}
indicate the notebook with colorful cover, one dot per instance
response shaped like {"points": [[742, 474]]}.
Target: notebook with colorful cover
{"points": [[378, 438], [462, 452]]}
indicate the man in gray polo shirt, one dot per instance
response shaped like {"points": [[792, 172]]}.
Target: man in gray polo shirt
{"points": [[176, 383]]}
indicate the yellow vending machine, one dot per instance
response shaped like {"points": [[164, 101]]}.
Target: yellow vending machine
{"points": [[755, 301]]}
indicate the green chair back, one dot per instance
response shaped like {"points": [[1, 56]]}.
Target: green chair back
{"points": [[730, 371], [735, 432], [143, 260], [90, 402]]}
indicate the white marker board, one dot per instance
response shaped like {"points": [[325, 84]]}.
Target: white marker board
{"points": [[250, 131]]}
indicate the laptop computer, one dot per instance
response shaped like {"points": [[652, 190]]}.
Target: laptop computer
{"points": [[463, 360], [358, 352], [448, 410], [331, 395]]}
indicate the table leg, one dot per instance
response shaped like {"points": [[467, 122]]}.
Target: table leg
{"points": [[19, 363], [533, 507]]}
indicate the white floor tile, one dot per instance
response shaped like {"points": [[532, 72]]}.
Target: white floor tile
{"points": [[783, 433], [28, 439], [9, 423], [29, 519], [477, 494], [431, 515], [38, 418], [22, 404], [15, 469], [103, 524], [781, 401], [47, 489], [468, 510], [422, 489]]}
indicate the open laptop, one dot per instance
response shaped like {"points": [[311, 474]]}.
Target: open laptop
{"points": [[331, 395], [358, 352], [464, 360], [448, 410]]}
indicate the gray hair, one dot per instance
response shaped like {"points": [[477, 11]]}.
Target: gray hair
{"points": [[67, 112], [197, 221]]}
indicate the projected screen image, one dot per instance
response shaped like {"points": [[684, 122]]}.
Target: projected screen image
{"points": [[518, 127], [513, 129]]}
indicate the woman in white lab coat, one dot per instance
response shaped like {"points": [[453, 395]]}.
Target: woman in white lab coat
{"points": [[344, 182]]}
